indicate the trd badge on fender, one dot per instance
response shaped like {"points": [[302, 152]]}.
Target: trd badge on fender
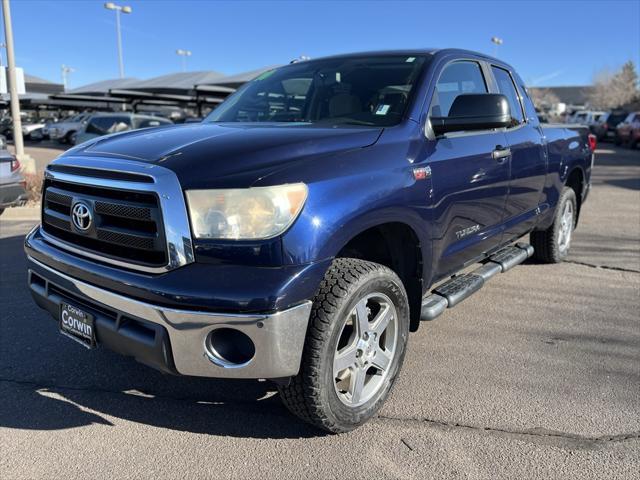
{"points": [[77, 325]]}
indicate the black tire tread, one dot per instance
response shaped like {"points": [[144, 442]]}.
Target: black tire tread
{"points": [[302, 395], [545, 242]]}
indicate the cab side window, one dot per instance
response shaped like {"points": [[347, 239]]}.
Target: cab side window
{"points": [[507, 88], [456, 79]]}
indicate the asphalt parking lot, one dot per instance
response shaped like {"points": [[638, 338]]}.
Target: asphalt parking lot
{"points": [[537, 376]]}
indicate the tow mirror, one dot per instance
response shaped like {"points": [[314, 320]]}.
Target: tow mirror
{"points": [[482, 111]]}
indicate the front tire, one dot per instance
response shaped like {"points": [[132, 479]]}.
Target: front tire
{"points": [[552, 245], [354, 348]]}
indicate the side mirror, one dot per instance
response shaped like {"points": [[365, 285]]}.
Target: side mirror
{"points": [[481, 111]]}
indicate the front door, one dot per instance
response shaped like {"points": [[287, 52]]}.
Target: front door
{"points": [[470, 189], [470, 185]]}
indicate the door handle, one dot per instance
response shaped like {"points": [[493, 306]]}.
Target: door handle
{"points": [[501, 153]]}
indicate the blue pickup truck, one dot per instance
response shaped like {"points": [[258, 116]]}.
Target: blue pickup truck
{"points": [[308, 224]]}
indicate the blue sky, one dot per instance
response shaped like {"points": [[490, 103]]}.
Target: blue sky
{"points": [[549, 42]]}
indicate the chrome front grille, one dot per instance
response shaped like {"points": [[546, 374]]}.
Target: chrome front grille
{"points": [[138, 218], [122, 227]]}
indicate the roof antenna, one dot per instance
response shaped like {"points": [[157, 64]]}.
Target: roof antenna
{"points": [[301, 58]]}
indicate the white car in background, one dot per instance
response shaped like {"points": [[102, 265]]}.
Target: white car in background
{"points": [[100, 124], [65, 130], [587, 117], [29, 127]]}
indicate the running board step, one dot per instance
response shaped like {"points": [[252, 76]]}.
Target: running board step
{"points": [[460, 287], [509, 257], [457, 288]]}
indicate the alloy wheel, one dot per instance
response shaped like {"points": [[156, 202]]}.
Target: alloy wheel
{"points": [[566, 227], [366, 349]]}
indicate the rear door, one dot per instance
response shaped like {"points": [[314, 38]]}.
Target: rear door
{"points": [[469, 184], [528, 160]]}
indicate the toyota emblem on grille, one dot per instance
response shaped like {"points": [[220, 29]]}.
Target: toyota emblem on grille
{"points": [[81, 216]]}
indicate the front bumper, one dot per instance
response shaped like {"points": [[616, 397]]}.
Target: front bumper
{"points": [[175, 340], [222, 287]]}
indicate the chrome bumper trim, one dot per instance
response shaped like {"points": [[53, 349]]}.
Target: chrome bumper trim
{"points": [[278, 337]]}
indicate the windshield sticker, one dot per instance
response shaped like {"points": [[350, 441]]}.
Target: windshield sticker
{"points": [[382, 109], [266, 74]]}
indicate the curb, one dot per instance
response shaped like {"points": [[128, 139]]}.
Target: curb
{"points": [[30, 213]]}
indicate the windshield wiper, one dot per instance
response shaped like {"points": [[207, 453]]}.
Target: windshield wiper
{"points": [[346, 121]]}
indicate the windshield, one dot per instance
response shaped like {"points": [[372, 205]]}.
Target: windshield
{"points": [[350, 90]]}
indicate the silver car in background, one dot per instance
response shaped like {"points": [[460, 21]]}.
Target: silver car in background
{"points": [[65, 130], [12, 184], [106, 123]]}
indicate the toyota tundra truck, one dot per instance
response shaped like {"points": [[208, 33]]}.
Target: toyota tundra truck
{"points": [[308, 224]]}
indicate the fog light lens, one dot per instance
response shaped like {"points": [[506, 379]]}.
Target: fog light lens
{"points": [[229, 348]]}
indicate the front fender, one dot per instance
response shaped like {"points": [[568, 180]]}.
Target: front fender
{"points": [[337, 211]]}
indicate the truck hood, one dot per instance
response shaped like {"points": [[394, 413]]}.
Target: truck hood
{"points": [[207, 155]]}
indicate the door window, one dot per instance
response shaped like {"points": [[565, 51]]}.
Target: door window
{"points": [[456, 79], [507, 88], [106, 125]]}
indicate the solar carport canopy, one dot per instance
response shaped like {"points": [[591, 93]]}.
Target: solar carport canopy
{"points": [[177, 88], [231, 82], [103, 87]]}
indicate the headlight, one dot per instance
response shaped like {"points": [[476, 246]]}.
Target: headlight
{"points": [[245, 213]]}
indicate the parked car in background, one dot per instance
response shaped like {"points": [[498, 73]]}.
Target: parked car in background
{"points": [[36, 135], [65, 130], [105, 123], [47, 127], [634, 141], [586, 117], [6, 127], [31, 126], [593, 118], [625, 128], [12, 185], [605, 129], [579, 117]]}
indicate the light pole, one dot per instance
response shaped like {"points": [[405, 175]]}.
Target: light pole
{"points": [[184, 54], [496, 42], [27, 162], [65, 71], [118, 9]]}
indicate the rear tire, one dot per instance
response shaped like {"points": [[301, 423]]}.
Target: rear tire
{"points": [[354, 348], [552, 245]]}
